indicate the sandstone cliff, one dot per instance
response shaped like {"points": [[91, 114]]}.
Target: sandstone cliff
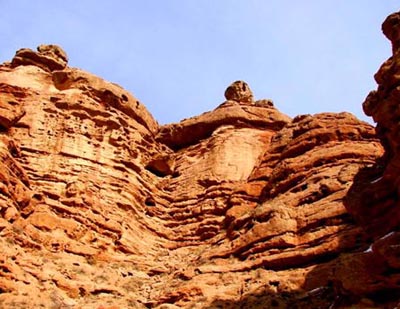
{"points": [[240, 207]]}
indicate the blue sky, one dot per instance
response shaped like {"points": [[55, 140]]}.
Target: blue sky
{"points": [[178, 56]]}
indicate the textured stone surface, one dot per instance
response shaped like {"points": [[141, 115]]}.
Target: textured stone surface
{"points": [[47, 57], [378, 187], [373, 199], [230, 113], [240, 207], [240, 92]]}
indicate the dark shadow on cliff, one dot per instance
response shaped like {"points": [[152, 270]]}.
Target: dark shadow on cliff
{"points": [[268, 299], [347, 279], [332, 250], [353, 275]]}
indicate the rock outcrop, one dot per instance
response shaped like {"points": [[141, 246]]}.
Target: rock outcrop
{"points": [[240, 207], [373, 199], [239, 91], [47, 57]]}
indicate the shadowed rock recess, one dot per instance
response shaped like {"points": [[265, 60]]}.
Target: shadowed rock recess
{"points": [[239, 207]]}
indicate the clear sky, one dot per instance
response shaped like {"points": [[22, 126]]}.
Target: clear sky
{"points": [[178, 56]]}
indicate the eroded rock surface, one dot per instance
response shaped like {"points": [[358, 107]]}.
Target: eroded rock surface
{"points": [[47, 57], [239, 91], [373, 199], [240, 207]]}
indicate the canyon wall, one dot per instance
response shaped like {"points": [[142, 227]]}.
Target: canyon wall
{"points": [[239, 207]]}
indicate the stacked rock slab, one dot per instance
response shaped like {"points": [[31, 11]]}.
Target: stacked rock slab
{"points": [[373, 199], [240, 207]]}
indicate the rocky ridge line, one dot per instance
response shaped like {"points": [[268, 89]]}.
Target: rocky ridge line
{"points": [[238, 207]]}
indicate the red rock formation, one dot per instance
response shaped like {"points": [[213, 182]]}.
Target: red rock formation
{"points": [[373, 199], [100, 207]]}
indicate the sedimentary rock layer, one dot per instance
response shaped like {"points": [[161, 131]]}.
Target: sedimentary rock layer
{"points": [[242, 206]]}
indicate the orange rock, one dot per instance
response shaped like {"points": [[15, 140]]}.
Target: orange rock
{"points": [[47, 57], [239, 91], [241, 206]]}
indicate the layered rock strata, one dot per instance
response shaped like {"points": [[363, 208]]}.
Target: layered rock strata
{"points": [[373, 199], [242, 206]]}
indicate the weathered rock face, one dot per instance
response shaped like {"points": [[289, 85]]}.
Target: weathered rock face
{"points": [[239, 91], [378, 211], [373, 199], [47, 57], [101, 207]]}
